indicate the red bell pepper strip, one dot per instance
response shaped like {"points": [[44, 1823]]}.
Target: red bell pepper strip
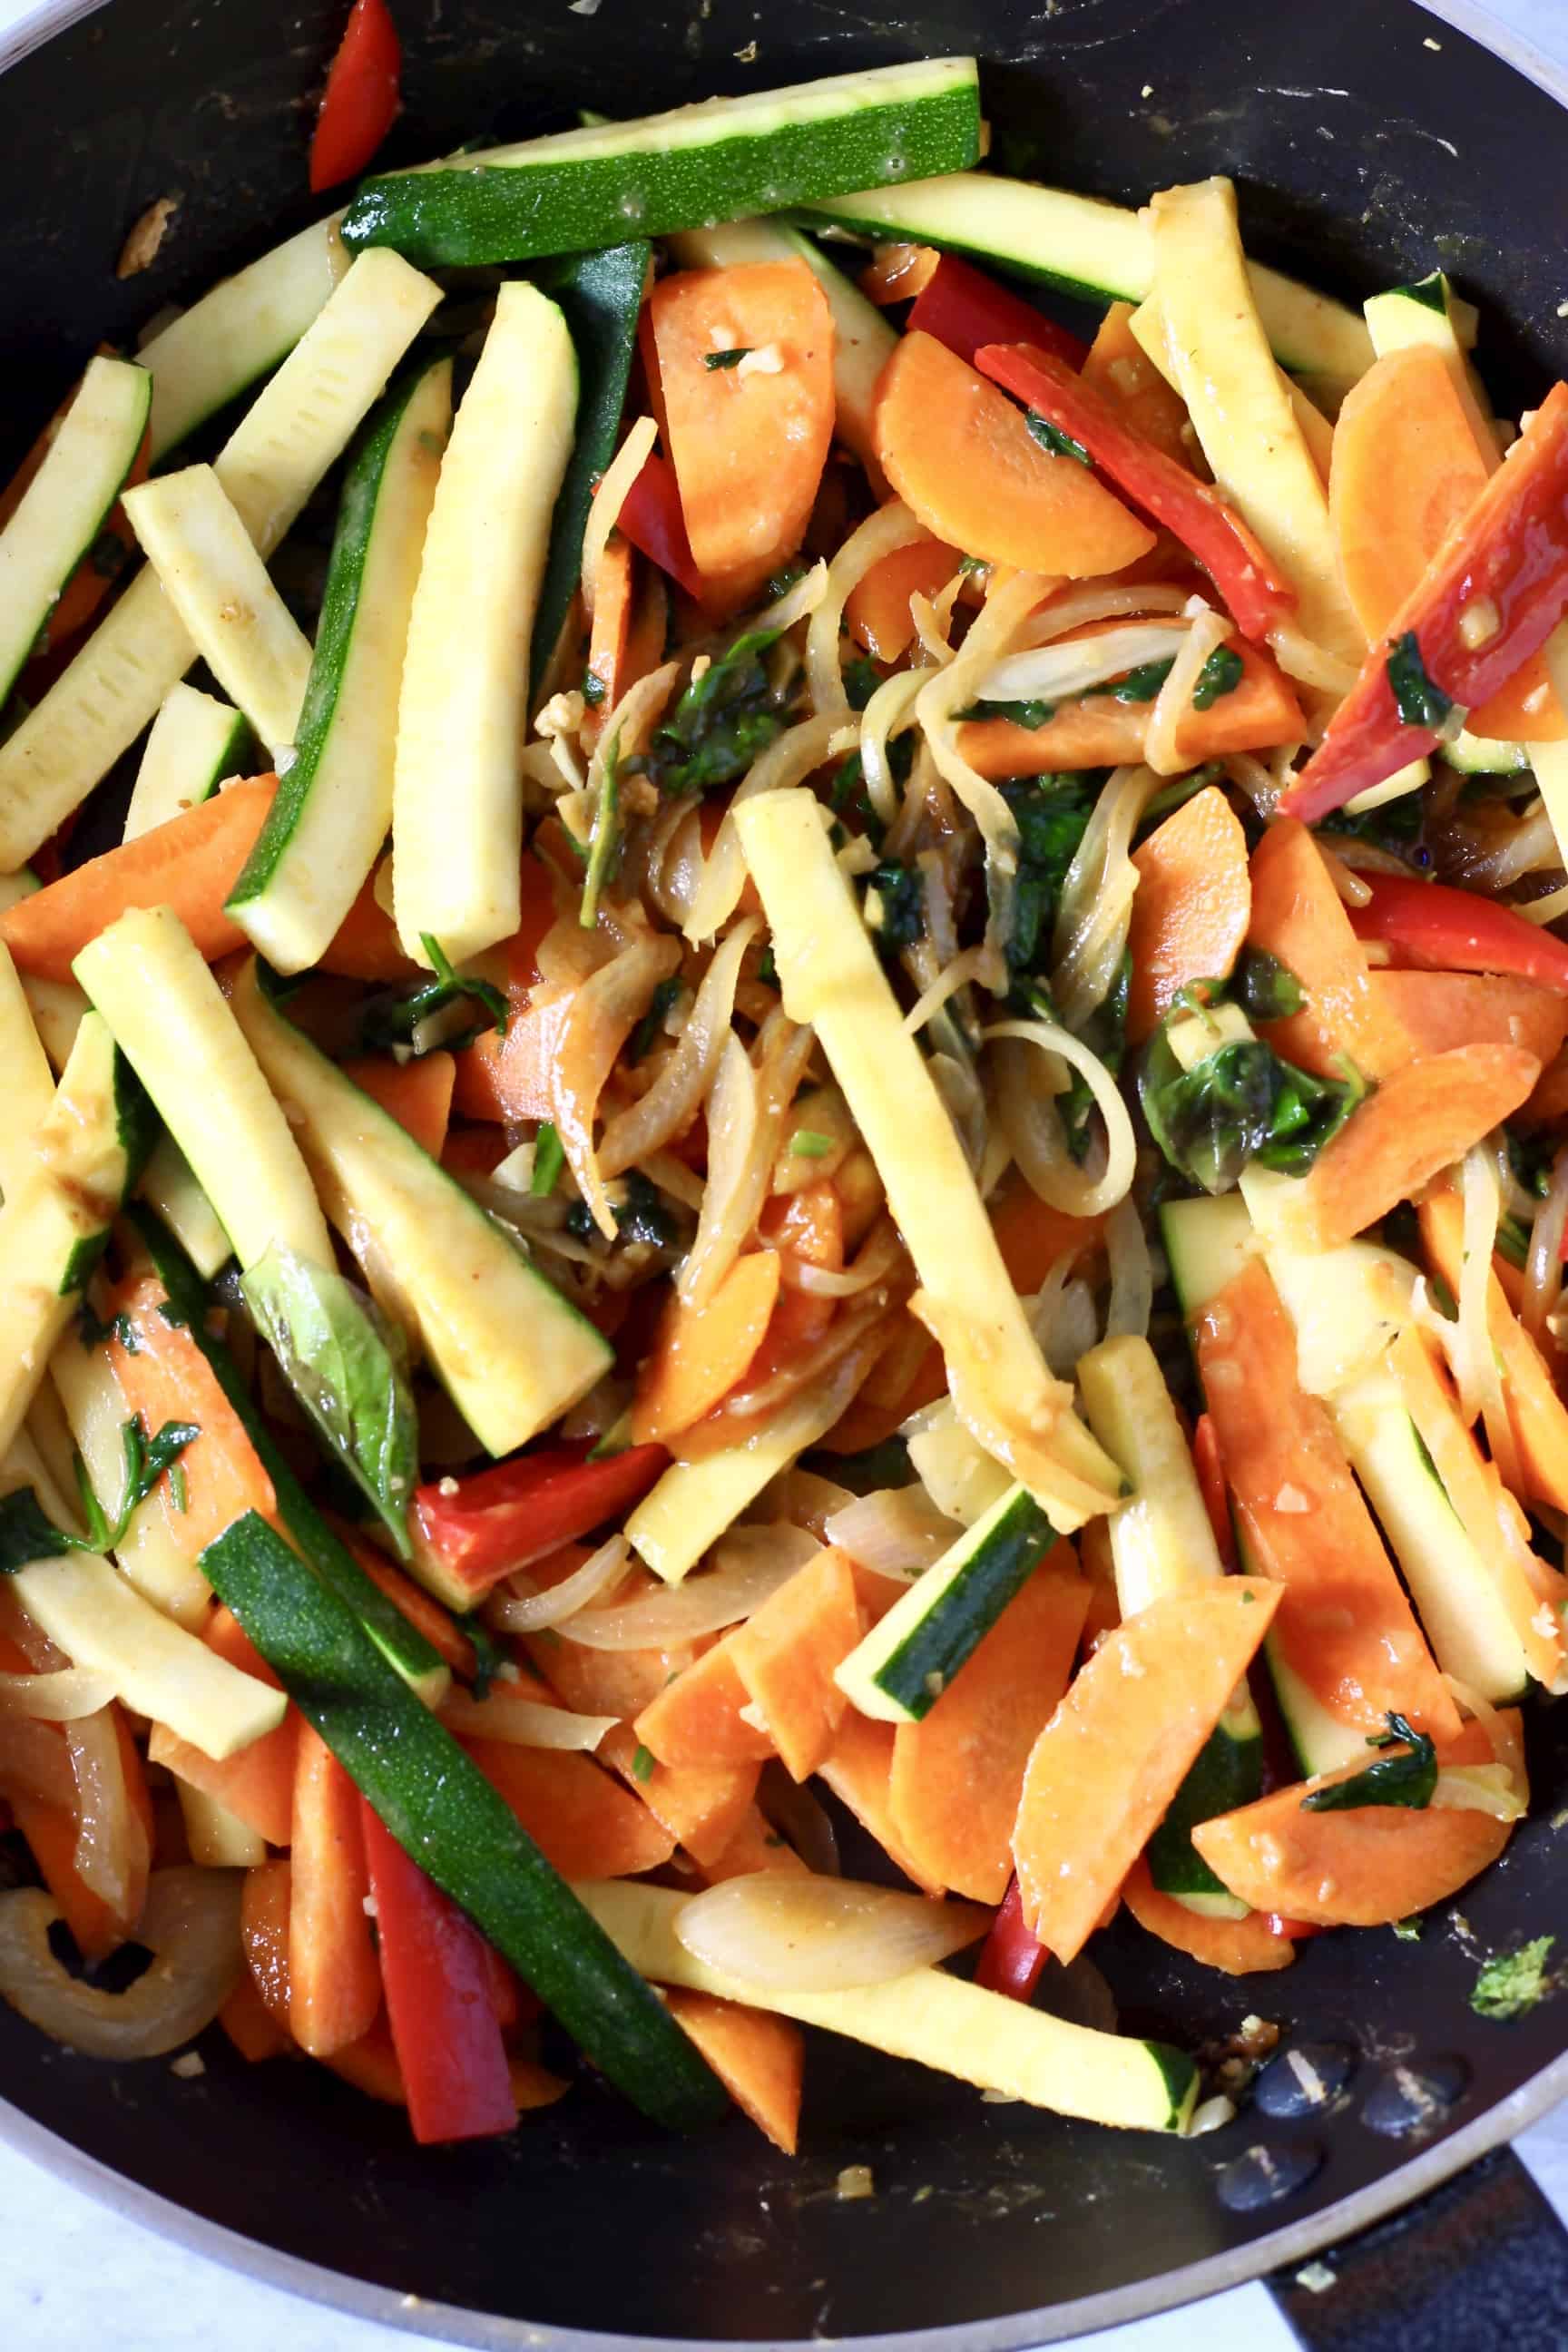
{"points": [[1211, 1485], [502, 1518], [1194, 510], [1501, 580], [361, 99], [1443, 929], [652, 519], [439, 2000], [965, 308], [1011, 1958]]}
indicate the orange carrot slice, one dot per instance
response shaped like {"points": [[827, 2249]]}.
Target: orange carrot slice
{"points": [[50, 1832], [581, 1820], [1032, 1237], [756, 1846], [1406, 469], [1420, 1121], [1440, 1010], [760, 2059], [1192, 909], [250, 2024], [696, 1718], [604, 1682], [702, 1806], [1345, 1627], [860, 1773], [1538, 1413], [365, 944], [509, 1077], [1120, 367], [190, 863], [1116, 1750], [258, 1783], [264, 1934], [334, 1980], [164, 1376], [700, 1352], [607, 638], [417, 1093], [958, 1774], [1298, 916], [749, 441], [876, 610], [1096, 731], [786, 1653], [1360, 1868], [1237, 1948], [959, 456]]}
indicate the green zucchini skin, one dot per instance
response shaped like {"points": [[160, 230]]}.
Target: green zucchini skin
{"points": [[948, 1636], [599, 295], [1227, 1773], [522, 211], [442, 1810], [405, 1649]]}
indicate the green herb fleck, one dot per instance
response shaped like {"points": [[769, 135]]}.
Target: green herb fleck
{"points": [[549, 1159], [1052, 814], [392, 1018], [1266, 989], [177, 1492], [725, 719], [861, 680], [1017, 714], [767, 969], [1052, 439], [1221, 674], [642, 1763], [895, 906], [1417, 698], [1409, 1930], [1513, 1982], [639, 1214], [648, 1029], [713, 361], [27, 1533], [1243, 1104], [807, 1143], [592, 688], [1141, 684], [970, 564], [1407, 1779]]}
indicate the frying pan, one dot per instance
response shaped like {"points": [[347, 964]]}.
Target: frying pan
{"points": [[1373, 142]]}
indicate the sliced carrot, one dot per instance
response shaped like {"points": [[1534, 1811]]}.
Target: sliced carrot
{"points": [[700, 1352], [1345, 1627], [1118, 1748], [959, 456], [334, 1980], [1104, 1603], [911, 1371], [747, 441], [877, 610], [702, 1806], [1120, 367], [1549, 1097], [958, 1774], [607, 638], [258, 1783], [165, 1377], [264, 1903], [1237, 1948], [760, 2059], [1526, 710], [808, 1225], [191, 864], [1298, 916], [1032, 1237], [604, 1682], [582, 1821], [509, 1077], [1358, 1868], [756, 1846], [1191, 907], [50, 1832], [786, 1654], [1096, 731], [696, 1718], [1420, 1121], [1538, 1413], [859, 1772], [1406, 470], [1441, 1010], [417, 1093], [250, 2024], [365, 944]]}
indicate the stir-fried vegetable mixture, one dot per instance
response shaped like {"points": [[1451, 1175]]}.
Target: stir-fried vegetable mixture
{"points": [[719, 1151]]}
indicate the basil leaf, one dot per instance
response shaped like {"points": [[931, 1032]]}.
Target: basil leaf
{"points": [[1419, 700], [1266, 989], [1408, 1778], [639, 1214], [1243, 1104], [1018, 714], [395, 1017], [895, 906], [725, 719], [1052, 815], [27, 1533], [346, 1372], [1052, 439], [1140, 685]]}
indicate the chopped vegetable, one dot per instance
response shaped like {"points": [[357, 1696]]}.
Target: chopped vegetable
{"points": [[1511, 1983], [362, 98], [1407, 1779]]}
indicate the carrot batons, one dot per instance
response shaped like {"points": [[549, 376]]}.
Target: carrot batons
{"points": [[417, 1093], [1118, 1748], [191, 864], [760, 2059], [959, 456], [786, 1653], [696, 1718], [959, 1772], [859, 1772], [1406, 468], [748, 440], [163, 1376], [334, 1982], [1119, 367], [581, 1820], [1539, 1416], [1441, 1010], [1298, 916], [1193, 904], [258, 1782], [700, 1352], [703, 1806]]}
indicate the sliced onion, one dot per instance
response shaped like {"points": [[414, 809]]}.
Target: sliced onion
{"points": [[890, 709], [60, 1698], [1062, 1316], [191, 1925], [605, 512], [34, 1762], [953, 688], [673, 1099], [746, 1107], [1075, 608], [1261, 788], [821, 1935], [881, 534], [802, 1818], [1543, 1259], [1132, 1273], [517, 1614], [109, 1844], [604, 1012], [1309, 662], [969, 964], [880, 1253], [805, 1500], [1161, 748], [798, 603], [1478, 1789], [897, 1531], [1034, 1129], [788, 760], [1097, 898], [845, 1336], [1481, 1387], [751, 1564], [506, 1714], [1051, 673]]}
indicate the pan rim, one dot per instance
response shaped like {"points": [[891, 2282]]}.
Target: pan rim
{"points": [[1116, 2306]]}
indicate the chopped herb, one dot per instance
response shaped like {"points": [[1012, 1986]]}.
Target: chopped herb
{"points": [[767, 969], [492, 1000], [652, 1022], [895, 906], [488, 1655], [969, 564], [725, 719], [1514, 1982], [1396, 826], [1051, 812], [781, 582], [396, 1018], [1221, 674], [1266, 989], [549, 1159], [1409, 1930], [1176, 794], [1407, 1779], [592, 688], [861, 680], [1243, 1104], [642, 1763], [1140, 685], [1052, 439], [805, 1143], [605, 838], [640, 1214], [177, 1492], [27, 1533], [1105, 1035], [1017, 714], [1419, 700], [713, 361], [616, 1439]]}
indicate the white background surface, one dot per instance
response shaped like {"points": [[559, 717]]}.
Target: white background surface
{"points": [[72, 2275]]}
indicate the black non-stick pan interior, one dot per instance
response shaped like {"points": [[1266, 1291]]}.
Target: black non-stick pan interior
{"points": [[1371, 143]]}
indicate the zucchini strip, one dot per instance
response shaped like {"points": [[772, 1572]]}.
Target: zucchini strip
{"points": [[195, 743], [442, 1810], [26, 1081]]}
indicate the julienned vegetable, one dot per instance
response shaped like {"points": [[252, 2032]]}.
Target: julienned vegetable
{"points": [[446, 1816], [362, 98], [1444, 930], [472, 1531]]}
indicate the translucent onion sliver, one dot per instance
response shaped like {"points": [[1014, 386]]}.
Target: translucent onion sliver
{"points": [[816, 1935], [60, 1698], [752, 1563], [518, 1614]]}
